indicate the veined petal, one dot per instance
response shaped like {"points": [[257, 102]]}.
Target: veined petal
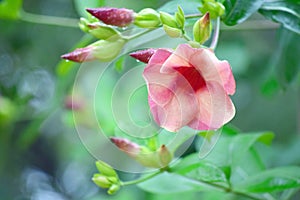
{"points": [[215, 108]]}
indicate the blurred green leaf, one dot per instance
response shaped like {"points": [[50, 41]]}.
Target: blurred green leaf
{"points": [[167, 183], [82, 5], [277, 179], [204, 171], [188, 7], [119, 64], [285, 12], [270, 87], [238, 11], [10, 9]]}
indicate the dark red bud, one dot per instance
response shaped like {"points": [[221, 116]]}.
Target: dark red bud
{"points": [[113, 16], [143, 55], [80, 55]]}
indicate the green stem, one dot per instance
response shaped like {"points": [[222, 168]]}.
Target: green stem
{"points": [[48, 20], [215, 38], [186, 37], [138, 34], [141, 179], [190, 16]]}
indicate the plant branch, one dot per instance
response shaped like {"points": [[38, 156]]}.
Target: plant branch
{"points": [[138, 34], [215, 38], [141, 179], [190, 16], [48, 20]]}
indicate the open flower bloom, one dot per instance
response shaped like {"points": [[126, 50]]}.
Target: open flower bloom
{"points": [[189, 87]]}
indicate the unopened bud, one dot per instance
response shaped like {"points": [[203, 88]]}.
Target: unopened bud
{"points": [[143, 55], [179, 16], [165, 156], [103, 32], [202, 29], [106, 169], [131, 148], [83, 24], [113, 189], [215, 9], [147, 18], [172, 32], [101, 181], [113, 16], [168, 20], [103, 50]]}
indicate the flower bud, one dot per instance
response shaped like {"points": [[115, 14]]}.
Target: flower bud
{"points": [[202, 29], [106, 169], [83, 24], [101, 180], [143, 55], [179, 17], [103, 32], [147, 18], [172, 32], [168, 20], [113, 16], [214, 8], [165, 156], [131, 148], [113, 189], [103, 50]]}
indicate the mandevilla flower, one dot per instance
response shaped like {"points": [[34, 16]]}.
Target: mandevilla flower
{"points": [[113, 16], [143, 55], [189, 86]]}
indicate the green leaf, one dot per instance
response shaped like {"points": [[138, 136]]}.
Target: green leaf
{"points": [[167, 183], [10, 9], [245, 161], [204, 171], [238, 11], [277, 179], [284, 12], [188, 7], [82, 5]]}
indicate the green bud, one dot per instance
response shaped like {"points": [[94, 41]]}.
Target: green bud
{"points": [[168, 20], [214, 8], [7, 111], [194, 44], [165, 156], [107, 50], [101, 181], [106, 169], [147, 18], [179, 17], [113, 179], [103, 32], [172, 32], [83, 24], [202, 29], [113, 189]]}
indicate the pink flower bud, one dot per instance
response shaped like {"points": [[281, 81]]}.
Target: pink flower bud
{"points": [[113, 16], [80, 55], [143, 55], [127, 146]]}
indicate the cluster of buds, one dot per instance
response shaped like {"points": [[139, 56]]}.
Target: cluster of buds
{"points": [[173, 25], [215, 9], [142, 154], [106, 178]]}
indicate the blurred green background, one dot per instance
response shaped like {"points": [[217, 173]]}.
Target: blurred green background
{"points": [[41, 155]]}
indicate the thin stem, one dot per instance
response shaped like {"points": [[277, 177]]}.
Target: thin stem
{"points": [[186, 37], [138, 34], [215, 38], [141, 179], [193, 16], [48, 20]]}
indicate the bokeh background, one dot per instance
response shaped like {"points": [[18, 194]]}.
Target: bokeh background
{"points": [[41, 155]]}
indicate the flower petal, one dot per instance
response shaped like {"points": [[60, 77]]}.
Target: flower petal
{"points": [[215, 108], [213, 69]]}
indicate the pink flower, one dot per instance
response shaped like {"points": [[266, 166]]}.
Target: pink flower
{"points": [[113, 16], [189, 87]]}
